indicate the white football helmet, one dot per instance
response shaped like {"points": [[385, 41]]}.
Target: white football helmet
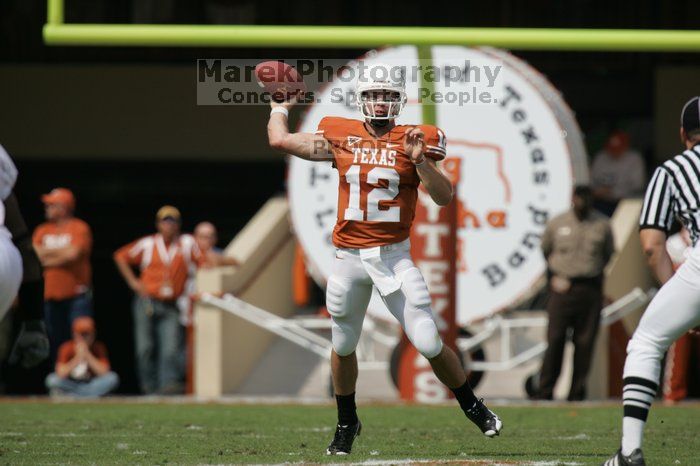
{"points": [[381, 77]]}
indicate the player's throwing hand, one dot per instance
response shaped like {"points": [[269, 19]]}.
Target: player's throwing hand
{"points": [[414, 145], [286, 104]]}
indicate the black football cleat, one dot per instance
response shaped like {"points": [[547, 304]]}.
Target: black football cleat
{"points": [[634, 459], [485, 419], [342, 441]]}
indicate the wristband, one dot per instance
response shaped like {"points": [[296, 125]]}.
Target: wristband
{"points": [[420, 163], [281, 110]]}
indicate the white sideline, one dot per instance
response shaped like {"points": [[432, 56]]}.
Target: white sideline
{"points": [[464, 460]]}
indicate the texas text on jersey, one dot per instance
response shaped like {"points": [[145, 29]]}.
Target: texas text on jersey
{"points": [[378, 185]]}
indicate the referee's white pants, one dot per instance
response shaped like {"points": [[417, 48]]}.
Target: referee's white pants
{"points": [[10, 273], [674, 310], [349, 290]]}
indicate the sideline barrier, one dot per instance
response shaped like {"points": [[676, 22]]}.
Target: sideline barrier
{"points": [[226, 348]]}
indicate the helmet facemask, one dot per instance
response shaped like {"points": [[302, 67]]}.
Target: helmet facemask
{"points": [[381, 99], [381, 104]]}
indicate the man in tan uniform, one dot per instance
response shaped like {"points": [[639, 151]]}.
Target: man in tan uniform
{"points": [[577, 245]]}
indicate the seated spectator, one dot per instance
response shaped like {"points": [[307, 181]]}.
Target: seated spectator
{"points": [[618, 172], [82, 366], [206, 236]]}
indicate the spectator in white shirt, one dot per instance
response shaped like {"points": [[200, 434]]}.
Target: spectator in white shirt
{"points": [[206, 236], [618, 172]]}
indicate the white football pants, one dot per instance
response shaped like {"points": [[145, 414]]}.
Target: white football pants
{"points": [[349, 290], [674, 310], [10, 273]]}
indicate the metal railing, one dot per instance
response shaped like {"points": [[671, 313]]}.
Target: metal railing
{"points": [[299, 331]]}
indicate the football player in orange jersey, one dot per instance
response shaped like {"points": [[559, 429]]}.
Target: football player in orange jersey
{"points": [[380, 166]]}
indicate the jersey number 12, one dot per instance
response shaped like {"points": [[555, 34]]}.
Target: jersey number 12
{"points": [[353, 211]]}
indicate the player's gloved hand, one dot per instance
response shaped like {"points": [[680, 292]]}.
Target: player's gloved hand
{"points": [[32, 345]]}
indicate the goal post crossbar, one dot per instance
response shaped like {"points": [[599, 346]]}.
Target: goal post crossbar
{"points": [[58, 33]]}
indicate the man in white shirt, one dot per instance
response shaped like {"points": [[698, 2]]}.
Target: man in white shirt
{"points": [[618, 172]]}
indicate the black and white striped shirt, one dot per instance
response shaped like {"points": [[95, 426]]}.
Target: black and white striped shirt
{"points": [[674, 192]]}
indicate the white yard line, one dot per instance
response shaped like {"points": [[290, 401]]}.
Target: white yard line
{"points": [[575, 437], [465, 461], [552, 463]]}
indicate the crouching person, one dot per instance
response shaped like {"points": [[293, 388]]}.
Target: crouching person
{"points": [[82, 366]]}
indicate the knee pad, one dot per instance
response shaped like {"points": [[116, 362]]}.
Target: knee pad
{"points": [[344, 338], [425, 337], [337, 298], [346, 303], [415, 289], [418, 319], [344, 335]]}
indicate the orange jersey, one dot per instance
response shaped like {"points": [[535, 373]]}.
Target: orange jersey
{"points": [[378, 182], [164, 267], [69, 280]]}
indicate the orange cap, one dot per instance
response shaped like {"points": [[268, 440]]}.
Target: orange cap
{"points": [[84, 325], [618, 142], [59, 196]]}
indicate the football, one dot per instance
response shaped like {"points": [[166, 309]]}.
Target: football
{"points": [[281, 80]]}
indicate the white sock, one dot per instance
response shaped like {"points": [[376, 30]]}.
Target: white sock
{"points": [[632, 433], [637, 397]]}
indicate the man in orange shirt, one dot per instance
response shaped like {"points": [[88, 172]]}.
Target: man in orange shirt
{"points": [[163, 260], [64, 244], [82, 367]]}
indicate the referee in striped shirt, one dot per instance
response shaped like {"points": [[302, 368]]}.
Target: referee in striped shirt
{"points": [[673, 192]]}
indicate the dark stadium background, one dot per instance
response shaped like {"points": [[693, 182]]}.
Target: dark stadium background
{"points": [[118, 196]]}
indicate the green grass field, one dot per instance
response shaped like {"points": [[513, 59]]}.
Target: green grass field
{"points": [[38, 433]]}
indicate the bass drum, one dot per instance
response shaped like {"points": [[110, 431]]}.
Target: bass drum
{"points": [[520, 156]]}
